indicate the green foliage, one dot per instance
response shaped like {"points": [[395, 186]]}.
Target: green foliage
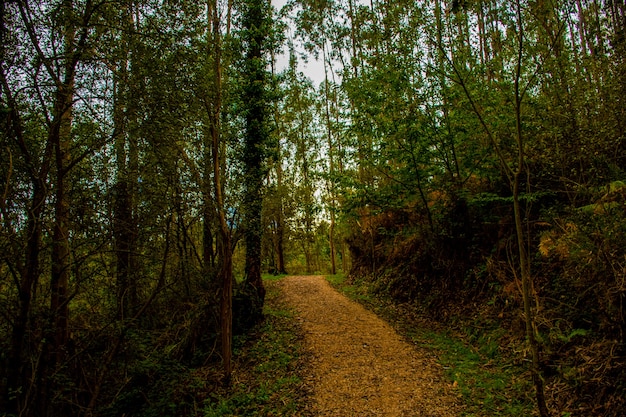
{"points": [[272, 277], [490, 382], [269, 383], [267, 379], [357, 292], [582, 337], [407, 143], [337, 280]]}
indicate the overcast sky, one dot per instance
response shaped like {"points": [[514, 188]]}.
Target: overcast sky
{"points": [[313, 69]]}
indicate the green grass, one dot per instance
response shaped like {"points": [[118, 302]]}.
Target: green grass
{"points": [[489, 384], [337, 280], [267, 379], [354, 292], [272, 278]]}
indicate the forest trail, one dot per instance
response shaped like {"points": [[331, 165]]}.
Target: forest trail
{"points": [[360, 366]]}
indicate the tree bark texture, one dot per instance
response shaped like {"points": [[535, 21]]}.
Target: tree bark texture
{"points": [[225, 272], [256, 138]]}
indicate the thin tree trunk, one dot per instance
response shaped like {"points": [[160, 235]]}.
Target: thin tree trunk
{"points": [[514, 175], [280, 223], [331, 166], [224, 247], [127, 159], [209, 208], [58, 332], [279, 246], [29, 270], [122, 212], [527, 298], [60, 137], [482, 35], [353, 40], [521, 241]]}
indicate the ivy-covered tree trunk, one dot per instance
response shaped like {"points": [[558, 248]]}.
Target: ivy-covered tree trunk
{"points": [[257, 23]]}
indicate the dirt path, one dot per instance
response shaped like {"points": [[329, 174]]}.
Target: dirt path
{"points": [[361, 367]]}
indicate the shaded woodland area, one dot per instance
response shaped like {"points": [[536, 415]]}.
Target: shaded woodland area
{"points": [[465, 157]]}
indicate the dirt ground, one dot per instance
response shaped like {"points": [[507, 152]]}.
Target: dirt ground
{"points": [[360, 366]]}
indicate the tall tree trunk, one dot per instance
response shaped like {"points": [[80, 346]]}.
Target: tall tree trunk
{"points": [[29, 269], [224, 244], [59, 281], [124, 225], [279, 241], [19, 398], [60, 137], [524, 258], [280, 221], [256, 138], [331, 166], [212, 99], [57, 334]]}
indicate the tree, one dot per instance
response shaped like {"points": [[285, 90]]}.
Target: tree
{"points": [[126, 156], [224, 247], [277, 191], [74, 28], [515, 170], [304, 143], [256, 21]]}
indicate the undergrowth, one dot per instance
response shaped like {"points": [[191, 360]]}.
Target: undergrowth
{"points": [[265, 381], [489, 383], [267, 378]]}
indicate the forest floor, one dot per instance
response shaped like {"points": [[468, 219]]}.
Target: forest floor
{"points": [[359, 366]]}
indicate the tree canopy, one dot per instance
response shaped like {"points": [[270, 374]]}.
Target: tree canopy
{"points": [[466, 157]]}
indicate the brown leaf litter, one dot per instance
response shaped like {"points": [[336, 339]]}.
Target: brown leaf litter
{"points": [[360, 366]]}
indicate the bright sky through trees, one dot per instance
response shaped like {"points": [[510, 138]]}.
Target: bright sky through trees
{"points": [[466, 159], [314, 68]]}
